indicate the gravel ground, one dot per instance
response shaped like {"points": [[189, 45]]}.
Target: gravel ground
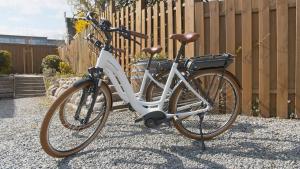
{"points": [[251, 143]]}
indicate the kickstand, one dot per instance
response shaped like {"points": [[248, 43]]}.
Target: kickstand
{"points": [[201, 117]]}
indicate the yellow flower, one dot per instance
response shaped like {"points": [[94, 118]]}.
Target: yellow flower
{"points": [[81, 25]]}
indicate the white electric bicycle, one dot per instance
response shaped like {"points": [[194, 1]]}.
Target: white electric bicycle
{"points": [[77, 116]]}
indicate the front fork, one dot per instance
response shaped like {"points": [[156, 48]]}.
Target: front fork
{"points": [[95, 75]]}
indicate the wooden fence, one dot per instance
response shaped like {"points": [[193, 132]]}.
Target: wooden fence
{"points": [[263, 34], [28, 58]]}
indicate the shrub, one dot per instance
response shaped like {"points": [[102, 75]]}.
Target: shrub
{"points": [[49, 72], [51, 62], [65, 68], [5, 62]]}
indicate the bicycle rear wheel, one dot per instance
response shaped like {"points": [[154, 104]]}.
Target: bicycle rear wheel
{"points": [[61, 137], [219, 88]]}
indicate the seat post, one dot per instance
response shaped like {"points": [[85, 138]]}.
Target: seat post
{"points": [[149, 62], [180, 52]]}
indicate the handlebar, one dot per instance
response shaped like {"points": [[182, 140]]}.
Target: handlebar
{"points": [[106, 28], [91, 38]]}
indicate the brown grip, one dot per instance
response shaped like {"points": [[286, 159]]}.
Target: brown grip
{"points": [[136, 34]]}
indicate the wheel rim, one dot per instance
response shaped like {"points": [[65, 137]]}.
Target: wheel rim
{"points": [[217, 120], [65, 140], [98, 110]]}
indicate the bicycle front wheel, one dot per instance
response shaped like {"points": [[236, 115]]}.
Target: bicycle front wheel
{"points": [[61, 133], [222, 91]]}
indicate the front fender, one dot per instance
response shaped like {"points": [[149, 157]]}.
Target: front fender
{"points": [[81, 81]]}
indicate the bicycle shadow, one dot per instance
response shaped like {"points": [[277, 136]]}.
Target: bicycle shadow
{"points": [[245, 127], [138, 129], [172, 160], [245, 149], [175, 156], [7, 108]]}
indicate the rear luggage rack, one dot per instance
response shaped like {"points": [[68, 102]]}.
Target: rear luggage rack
{"points": [[209, 61]]}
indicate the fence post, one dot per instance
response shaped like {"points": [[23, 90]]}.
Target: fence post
{"points": [[297, 73], [230, 30], [155, 25], [140, 4], [149, 27], [190, 25], [122, 17], [162, 25], [247, 56], [111, 9], [127, 42], [199, 27], [178, 20], [170, 29], [143, 27], [282, 58], [214, 27], [264, 58]]}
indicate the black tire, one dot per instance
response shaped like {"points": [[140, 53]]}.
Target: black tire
{"points": [[214, 122], [60, 151]]}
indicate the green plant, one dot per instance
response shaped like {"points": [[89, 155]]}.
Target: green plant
{"points": [[256, 107], [65, 68], [5, 62], [142, 56], [51, 62]]}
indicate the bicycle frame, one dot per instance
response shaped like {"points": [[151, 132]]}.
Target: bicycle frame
{"points": [[115, 73], [147, 75]]}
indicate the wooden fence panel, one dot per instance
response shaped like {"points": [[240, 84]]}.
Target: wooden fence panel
{"points": [[189, 26], [114, 35], [170, 29], [297, 73], [132, 27], [230, 30], [214, 27], [261, 33], [138, 21], [149, 27], [207, 21], [199, 27], [264, 57], [143, 45], [247, 56], [28, 58], [155, 26], [178, 21], [162, 26], [273, 63], [118, 45], [127, 23], [282, 58], [122, 40], [291, 60]]}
